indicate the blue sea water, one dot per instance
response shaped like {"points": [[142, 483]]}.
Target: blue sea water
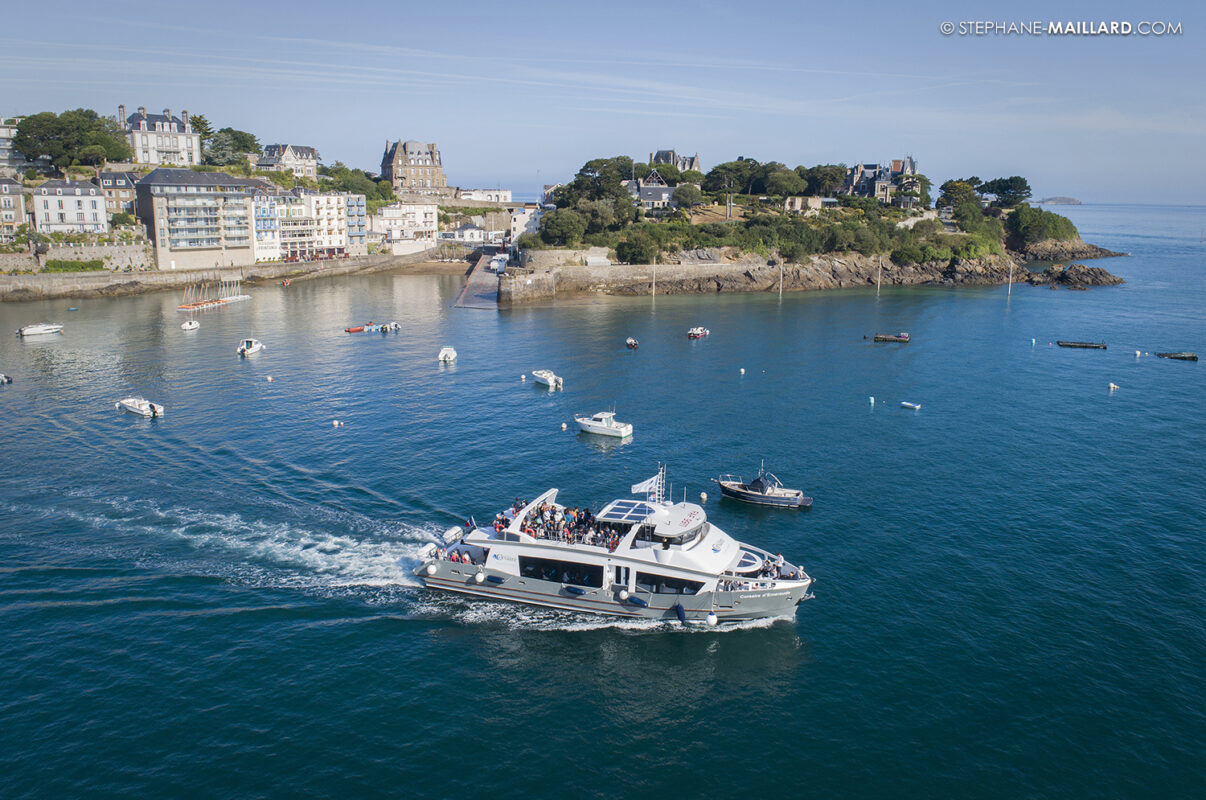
{"points": [[1011, 580]]}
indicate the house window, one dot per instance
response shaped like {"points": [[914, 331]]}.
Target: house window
{"points": [[79, 216]]}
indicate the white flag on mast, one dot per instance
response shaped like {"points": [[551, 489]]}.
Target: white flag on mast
{"points": [[647, 487]]}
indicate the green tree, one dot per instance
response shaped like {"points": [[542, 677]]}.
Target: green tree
{"points": [[955, 193], [687, 195], [228, 147], [638, 248], [670, 173], [91, 155], [785, 182], [202, 128], [691, 176], [1027, 225], [823, 179], [1009, 192], [62, 137], [562, 227]]}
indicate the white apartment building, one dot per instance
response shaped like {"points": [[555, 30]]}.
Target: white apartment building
{"points": [[12, 208], [70, 207], [486, 195], [525, 219], [161, 138], [266, 212], [313, 226], [407, 221]]}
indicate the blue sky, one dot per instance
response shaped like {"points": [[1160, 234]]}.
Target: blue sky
{"points": [[520, 94]]}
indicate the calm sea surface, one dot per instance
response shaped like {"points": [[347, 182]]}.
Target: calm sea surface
{"points": [[1011, 581]]}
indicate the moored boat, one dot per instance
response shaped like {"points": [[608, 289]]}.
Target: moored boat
{"points": [[907, 404], [5, 378], [631, 343], [698, 332], [901, 337], [447, 355], [40, 329], [248, 347], [765, 490], [547, 377], [636, 558], [605, 424], [137, 405], [191, 325], [1083, 345], [1179, 356]]}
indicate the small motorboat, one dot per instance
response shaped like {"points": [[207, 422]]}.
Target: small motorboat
{"points": [[447, 355], [137, 405], [39, 329], [248, 347], [1083, 345], [907, 404], [892, 337], [287, 282], [631, 343], [547, 377], [1179, 356], [765, 490], [698, 332], [191, 325], [5, 378], [605, 424], [354, 329]]}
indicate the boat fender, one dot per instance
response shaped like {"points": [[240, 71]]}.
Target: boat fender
{"points": [[432, 569], [712, 619], [638, 601], [681, 612], [623, 595], [495, 578], [576, 590], [479, 577]]}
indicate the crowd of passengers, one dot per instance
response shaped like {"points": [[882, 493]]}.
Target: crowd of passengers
{"points": [[571, 525], [771, 568]]}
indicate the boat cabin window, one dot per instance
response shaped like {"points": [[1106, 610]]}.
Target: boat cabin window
{"points": [[571, 572], [645, 534], [663, 584]]}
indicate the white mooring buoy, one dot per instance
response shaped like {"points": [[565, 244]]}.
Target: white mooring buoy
{"points": [[703, 497], [269, 379], [334, 423], [743, 370]]}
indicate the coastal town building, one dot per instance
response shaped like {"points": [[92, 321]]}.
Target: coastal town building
{"points": [[357, 221], [808, 205], [877, 180], [470, 234], [525, 219], [301, 160], [70, 207], [485, 195], [651, 193], [161, 138], [119, 191], [415, 168], [407, 227], [549, 195], [267, 222], [684, 163], [198, 220], [12, 209]]}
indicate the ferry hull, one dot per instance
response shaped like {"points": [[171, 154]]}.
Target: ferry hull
{"points": [[729, 606]]}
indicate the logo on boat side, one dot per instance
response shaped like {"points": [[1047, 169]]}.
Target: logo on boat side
{"points": [[501, 557]]}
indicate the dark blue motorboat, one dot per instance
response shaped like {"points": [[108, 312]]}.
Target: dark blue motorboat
{"points": [[765, 490]]}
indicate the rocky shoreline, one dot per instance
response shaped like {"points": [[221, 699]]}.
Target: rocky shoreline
{"points": [[1063, 252], [712, 271]]}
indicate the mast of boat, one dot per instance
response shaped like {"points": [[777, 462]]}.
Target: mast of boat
{"points": [[1009, 291], [879, 273]]}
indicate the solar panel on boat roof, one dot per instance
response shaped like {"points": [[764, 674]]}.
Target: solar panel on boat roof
{"points": [[626, 511]]}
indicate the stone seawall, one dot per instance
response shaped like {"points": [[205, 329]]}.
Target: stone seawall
{"points": [[841, 271], [50, 286], [115, 256]]}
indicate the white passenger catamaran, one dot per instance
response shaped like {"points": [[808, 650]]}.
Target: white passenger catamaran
{"points": [[635, 558]]}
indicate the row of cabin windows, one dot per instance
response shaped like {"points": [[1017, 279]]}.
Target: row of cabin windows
{"points": [[645, 534], [569, 572]]}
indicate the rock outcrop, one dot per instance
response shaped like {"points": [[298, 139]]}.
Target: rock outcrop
{"points": [[1053, 250], [1073, 276]]}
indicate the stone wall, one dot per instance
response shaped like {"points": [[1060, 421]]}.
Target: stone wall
{"points": [[104, 284], [116, 256]]}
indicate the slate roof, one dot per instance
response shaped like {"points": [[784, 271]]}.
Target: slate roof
{"points": [[174, 176]]}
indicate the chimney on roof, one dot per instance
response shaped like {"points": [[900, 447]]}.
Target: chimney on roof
{"points": [[167, 112], [121, 114], [142, 110], [184, 118]]}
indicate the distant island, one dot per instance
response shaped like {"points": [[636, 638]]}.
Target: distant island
{"points": [[1058, 201]]}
